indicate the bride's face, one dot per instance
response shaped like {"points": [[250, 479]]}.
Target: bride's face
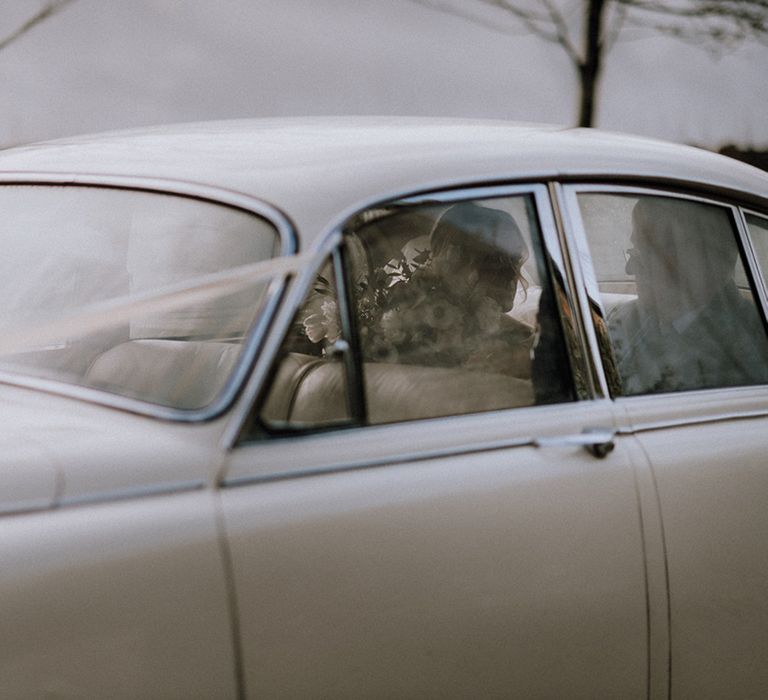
{"points": [[496, 281]]}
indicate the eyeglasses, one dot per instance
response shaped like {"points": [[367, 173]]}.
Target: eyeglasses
{"points": [[633, 259]]}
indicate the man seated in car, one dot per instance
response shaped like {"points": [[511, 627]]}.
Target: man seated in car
{"points": [[689, 327]]}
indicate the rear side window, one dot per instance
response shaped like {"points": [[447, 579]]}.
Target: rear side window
{"points": [[758, 232], [454, 310], [451, 311], [679, 310]]}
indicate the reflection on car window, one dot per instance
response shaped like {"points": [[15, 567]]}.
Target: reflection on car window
{"points": [[445, 304], [667, 272], [758, 233], [448, 302], [127, 291], [309, 387], [453, 312]]}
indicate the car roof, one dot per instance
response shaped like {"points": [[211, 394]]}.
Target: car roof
{"points": [[317, 169]]}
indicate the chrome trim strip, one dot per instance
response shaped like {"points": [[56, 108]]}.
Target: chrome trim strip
{"points": [[353, 366], [88, 394], [252, 392], [490, 446], [27, 505], [648, 189], [562, 287], [758, 214], [140, 491], [584, 283], [250, 347], [323, 248], [691, 421], [758, 274], [404, 458], [585, 382], [708, 402], [465, 192]]}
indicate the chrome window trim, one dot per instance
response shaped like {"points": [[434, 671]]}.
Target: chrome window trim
{"points": [[407, 455], [547, 217], [623, 427], [556, 250], [692, 420], [755, 395], [570, 194], [333, 237], [753, 212], [26, 505], [757, 269], [257, 383], [127, 493], [593, 371], [191, 190], [376, 462], [355, 387]]}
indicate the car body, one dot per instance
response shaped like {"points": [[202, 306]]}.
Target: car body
{"points": [[232, 469]]}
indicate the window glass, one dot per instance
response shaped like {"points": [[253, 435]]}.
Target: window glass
{"points": [[137, 293], [680, 312], [758, 232], [309, 385], [448, 302]]}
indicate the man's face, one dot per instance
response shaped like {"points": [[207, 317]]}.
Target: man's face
{"points": [[671, 268], [653, 264]]}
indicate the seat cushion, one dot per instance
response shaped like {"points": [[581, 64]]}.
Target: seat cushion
{"points": [[397, 392], [178, 373]]}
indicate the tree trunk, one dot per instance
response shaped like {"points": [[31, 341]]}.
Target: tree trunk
{"points": [[590, 67]]}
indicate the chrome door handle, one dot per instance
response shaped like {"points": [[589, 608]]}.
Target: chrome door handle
{"points": [[597, 441]]}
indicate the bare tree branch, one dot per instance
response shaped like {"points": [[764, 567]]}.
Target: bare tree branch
{"points": [[561, 32], [614, 28], [712, 24], [716, 22], [48, 10], [531, 21]]}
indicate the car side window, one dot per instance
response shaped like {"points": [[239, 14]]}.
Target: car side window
{"points": [[448, 302], [451, 312], [758, 232], [679, 310], [309, 384]]}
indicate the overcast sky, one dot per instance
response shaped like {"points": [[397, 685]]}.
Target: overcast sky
{"points": [[105, 64]]}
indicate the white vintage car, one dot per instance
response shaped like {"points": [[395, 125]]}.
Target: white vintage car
{"points": [[382, 408]]}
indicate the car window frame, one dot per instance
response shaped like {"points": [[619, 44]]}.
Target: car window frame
{"points": [[248, 427], [589, 296], [253, 342], [760, 275]]}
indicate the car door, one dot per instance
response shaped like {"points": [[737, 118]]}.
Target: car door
{"points": [[691, 371], [426, 526]]}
